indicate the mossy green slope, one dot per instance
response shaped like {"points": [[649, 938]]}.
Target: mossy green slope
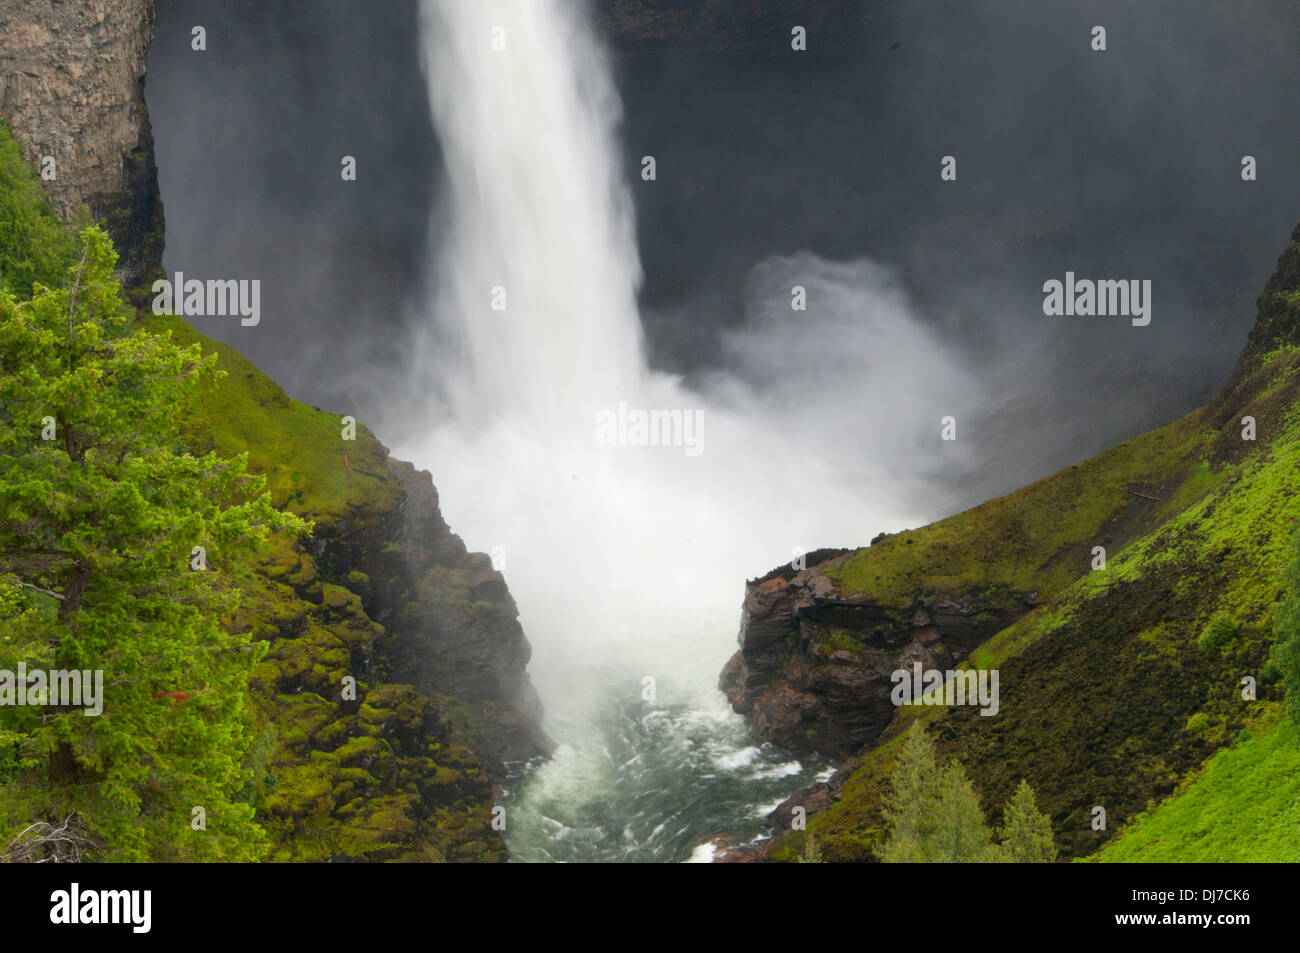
{"points": [[1038, 539], [378, 778], [299, 449], [1106, 698]]}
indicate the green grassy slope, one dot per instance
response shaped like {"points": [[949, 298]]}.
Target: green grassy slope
{"points": [[1039, 538], [297, 448], [1243, 806]]}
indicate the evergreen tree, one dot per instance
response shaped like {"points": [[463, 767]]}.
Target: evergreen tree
{"points": [[812, 854], [34, 245], [961, 834], [910, 806], [100, 508], [1026, 835]]}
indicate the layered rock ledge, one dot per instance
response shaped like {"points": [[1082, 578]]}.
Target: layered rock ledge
{"points": [[814, 665]]}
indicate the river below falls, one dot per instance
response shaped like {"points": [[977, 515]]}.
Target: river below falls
{"points": [[640, 781]]}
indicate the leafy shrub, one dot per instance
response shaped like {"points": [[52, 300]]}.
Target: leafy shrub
{"points": [[1218, 632]]}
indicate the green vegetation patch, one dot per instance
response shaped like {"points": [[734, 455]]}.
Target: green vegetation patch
{"points": [[1243, 808], [1038, 538]]}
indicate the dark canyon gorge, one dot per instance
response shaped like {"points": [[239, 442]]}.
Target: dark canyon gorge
{"points": [[580, 689]]}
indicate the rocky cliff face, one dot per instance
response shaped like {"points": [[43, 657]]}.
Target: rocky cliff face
{"points": [[813, 670], [72, 88], [387, 595], [454, 626], [818, 647]]}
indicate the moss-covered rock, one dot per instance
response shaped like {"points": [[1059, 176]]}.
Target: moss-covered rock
{"points": [[394, 682]]}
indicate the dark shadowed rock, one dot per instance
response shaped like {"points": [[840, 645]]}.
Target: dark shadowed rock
{"points": [[814, 666], [453, 626]]}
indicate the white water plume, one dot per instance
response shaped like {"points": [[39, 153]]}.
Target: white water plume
{"points": [[628, 562]]}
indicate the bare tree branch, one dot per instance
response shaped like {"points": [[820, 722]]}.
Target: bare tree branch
{"points": [[44, 843], [49, 592]]}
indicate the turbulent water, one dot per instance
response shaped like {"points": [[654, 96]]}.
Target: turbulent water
{"points": [[627, 561], [636, 781]]}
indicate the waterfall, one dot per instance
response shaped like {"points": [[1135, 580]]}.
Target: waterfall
{"points": [[628, 559], [538, 275]]}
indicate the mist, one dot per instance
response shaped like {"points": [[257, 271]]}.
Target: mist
{"points": [[249, 137]]}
